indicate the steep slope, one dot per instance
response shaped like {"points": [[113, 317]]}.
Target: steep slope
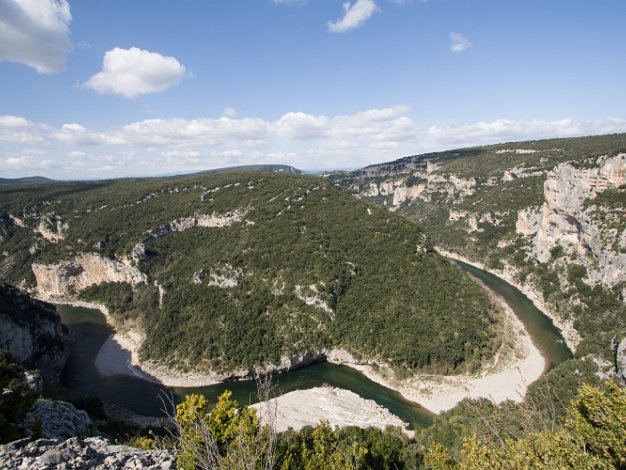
{"points": [[32, 333], [230, 271], [548, 215]]}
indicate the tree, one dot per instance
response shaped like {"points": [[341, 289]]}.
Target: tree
{"points": [[228, 436]]}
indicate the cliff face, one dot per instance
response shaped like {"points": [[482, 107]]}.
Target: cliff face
{"points": [[69, 277], [566, 220], [32, 333]]}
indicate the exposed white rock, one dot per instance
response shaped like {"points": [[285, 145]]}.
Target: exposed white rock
{"points": [[520, 172], [17, 221], [340, 407], [51, 229], [456, 215], [225, 276], [202, 220], [403, 193], [310, 296], [563, 221], [528, 221], [518, 151], [56, 281]]}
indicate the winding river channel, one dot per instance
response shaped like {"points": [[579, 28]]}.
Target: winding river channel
{"points": [[142, 396]]}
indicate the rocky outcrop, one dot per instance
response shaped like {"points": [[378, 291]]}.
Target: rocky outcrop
{"points": [[32, 333], [68, 277], [619, 350], [565, 219], [52, 228], [204, 220], [404, 189], [56, 419], [93, 453], [403, 193]]}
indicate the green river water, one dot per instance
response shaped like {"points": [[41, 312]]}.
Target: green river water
{"points": [[142, 396]]}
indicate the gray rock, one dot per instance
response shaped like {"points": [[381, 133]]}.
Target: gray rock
{"points": [[32, 333], [620, 359], [33, 380], [93, 453], [58, 419]]}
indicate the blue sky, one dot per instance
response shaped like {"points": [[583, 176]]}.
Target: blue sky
{"points": [[96, 89]]}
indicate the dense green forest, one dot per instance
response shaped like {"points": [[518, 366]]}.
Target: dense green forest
{"points": [[303, 266]]}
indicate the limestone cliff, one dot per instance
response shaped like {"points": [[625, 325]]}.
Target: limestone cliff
{"points": [[70, 276], [566, 221]]}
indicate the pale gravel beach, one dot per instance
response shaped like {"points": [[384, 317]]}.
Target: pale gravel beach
{"points": [[340, 407], [507, 379]]}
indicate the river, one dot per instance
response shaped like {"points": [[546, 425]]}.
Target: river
{"points": [[142, 396]]}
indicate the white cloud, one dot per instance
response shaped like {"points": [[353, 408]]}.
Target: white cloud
{"points": [[197, 132], [75, 134], [16, 129], [289, 2], [35, 33], [301, 126], [193, 154], [13, 121], [26, 164], [307, 141], [459, 42], [133, 72], [353, 15], [229, 112]]}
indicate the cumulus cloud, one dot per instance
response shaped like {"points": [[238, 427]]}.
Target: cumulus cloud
{"points": [[354, 15], [301, 126], [26, 164], [459, 42], [13, 121], [35, 33], [230, 112], [16, 129], [289, 2], [133, 72]]}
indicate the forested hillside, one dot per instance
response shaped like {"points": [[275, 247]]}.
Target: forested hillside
{"points": [[235, 270]]}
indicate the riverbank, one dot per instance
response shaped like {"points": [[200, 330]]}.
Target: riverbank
{"points": [[340, 407], [570, 335], [507, 378], [515, 367]]}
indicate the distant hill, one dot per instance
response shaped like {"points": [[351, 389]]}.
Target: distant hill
{"points": [[248, 168], [26, 180]]}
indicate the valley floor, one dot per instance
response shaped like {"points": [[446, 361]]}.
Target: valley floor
{"points": [[517, 365]]}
